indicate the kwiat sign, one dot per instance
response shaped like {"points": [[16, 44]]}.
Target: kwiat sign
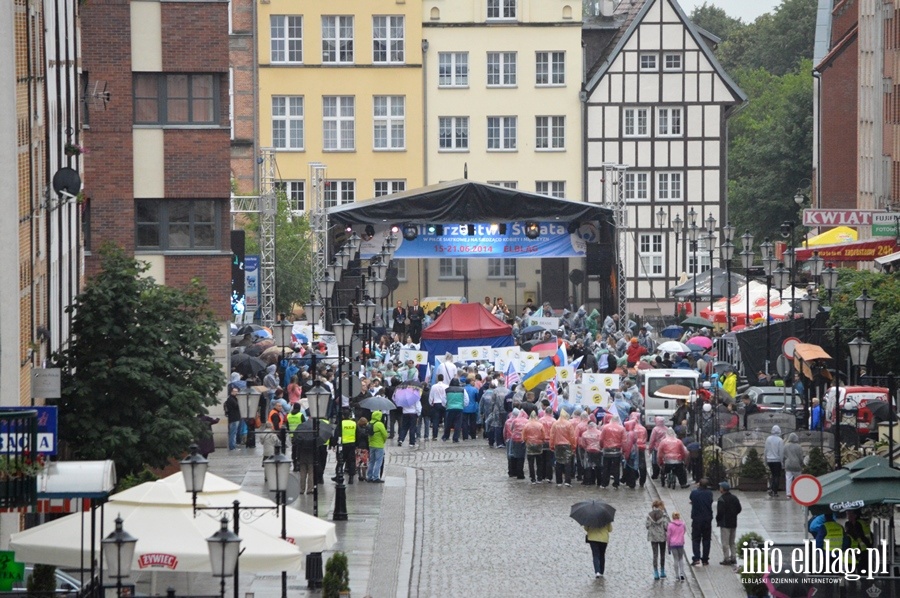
{"points": [[817, 217]]}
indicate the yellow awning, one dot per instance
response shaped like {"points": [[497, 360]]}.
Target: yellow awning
{"points": [[835, 236]]}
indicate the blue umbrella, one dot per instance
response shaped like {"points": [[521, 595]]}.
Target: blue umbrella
{"points": [[672, 331]]}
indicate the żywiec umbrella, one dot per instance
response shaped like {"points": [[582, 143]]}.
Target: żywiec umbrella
{"points": [[593, 513], [377, 403]]}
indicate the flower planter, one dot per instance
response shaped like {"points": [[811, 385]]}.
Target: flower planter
{"points": [[753, 484]]}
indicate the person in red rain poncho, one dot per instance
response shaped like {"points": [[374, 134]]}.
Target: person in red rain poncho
{"points": [[518, 444], [671, 456], [547, 420], [634, 351], [612, 440], [562, 441], [581, 424], [634, 452], [590, 444], [533, 434], [656, 436], [507, 439]]}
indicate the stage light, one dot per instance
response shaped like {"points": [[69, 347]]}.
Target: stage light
{"points": [[370, 231], [434, 229], [410, 232], [532, 230], [349, 230]]}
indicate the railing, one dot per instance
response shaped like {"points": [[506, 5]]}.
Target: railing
{"points": [[19, 460]]}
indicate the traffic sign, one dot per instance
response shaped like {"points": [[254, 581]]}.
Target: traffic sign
{"points": [[787, 347], [806, 490]]}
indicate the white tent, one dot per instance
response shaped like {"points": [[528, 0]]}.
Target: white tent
{"points": [[779, 304]]}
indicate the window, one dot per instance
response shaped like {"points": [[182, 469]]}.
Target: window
{"points": [[400, 265], [507, 184], [387, 40], [287, 39], [337, 40], [692, 263], [389, 122], [635, 122], [668, 185], [175, 224], [453, 132], [672, 62], [550, 133], [550, 68], [339, 123], [551, 188], [501, 9], [182, 99], [338, 193], [287, 122], [636, 186], [450, 267], [295, 191], [453, 69], [648, 62], [669, 122], [501, 69], [501, 133], [650, 248], [501, 267], [386, 187]]}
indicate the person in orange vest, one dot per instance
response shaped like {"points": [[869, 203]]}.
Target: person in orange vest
{"points": [[277, 418]]}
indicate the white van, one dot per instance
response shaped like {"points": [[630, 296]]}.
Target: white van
{"points": [[650, 381]]}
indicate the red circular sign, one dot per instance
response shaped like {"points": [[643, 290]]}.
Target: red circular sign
{"points": [[787, 347], [806, 490]]}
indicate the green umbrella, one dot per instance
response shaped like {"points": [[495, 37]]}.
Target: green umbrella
{"points": [[873, 485], [696, 321]]}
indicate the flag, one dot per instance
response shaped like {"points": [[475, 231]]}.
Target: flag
{"points": [[561, 359], [552, 395], [545, 349], [543, 371], [574, 365], [512, 376], [538, 313]]}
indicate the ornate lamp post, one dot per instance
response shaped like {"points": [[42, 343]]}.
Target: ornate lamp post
{"points": [[710, 240], [224, 548], [283, 335], [118, 551], [366, 317], [747, 258], [278, 472], [319, 399], [693, 237], [343, 331], [314, 311], [677, 226], [726, 255], [769, 264]]}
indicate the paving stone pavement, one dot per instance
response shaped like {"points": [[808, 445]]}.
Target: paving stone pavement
{"points": [[481, 533]]}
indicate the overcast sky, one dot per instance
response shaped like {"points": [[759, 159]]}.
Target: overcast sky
{"points": [[747, 10]]}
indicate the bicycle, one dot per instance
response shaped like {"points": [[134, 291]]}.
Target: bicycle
{"points": [[671, 479]]}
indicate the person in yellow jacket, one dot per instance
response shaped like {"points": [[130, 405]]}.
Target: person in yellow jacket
{"points": [[598, 538], [348, 446], [729, 383], [294, 418]]}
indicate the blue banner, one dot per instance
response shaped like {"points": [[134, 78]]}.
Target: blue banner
{"points": [[487, 241], [46, 431]]}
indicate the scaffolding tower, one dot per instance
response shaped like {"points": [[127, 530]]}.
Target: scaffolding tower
{"points": [[318, 221], [614, 198]]}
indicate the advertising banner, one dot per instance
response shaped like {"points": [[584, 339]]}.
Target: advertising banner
{"points": [[859, 251], [12, 440], [251, 283], [487, 241]]}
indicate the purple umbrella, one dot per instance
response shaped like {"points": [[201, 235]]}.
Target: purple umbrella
{"points": [[407, 396]]}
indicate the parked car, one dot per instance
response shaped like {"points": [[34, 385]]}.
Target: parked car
{"points": [[859, 398], [782, 399], [66, 585]]}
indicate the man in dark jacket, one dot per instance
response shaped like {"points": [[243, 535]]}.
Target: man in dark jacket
{"points": [[233, 413], [727, 509], [701, 522]]}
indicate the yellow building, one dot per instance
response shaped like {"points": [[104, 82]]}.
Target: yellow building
{"points": [[340, 83]]}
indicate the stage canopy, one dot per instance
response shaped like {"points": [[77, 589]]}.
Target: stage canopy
{"points": [[465, 325]]}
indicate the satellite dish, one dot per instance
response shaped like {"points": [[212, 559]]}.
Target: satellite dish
{"points": [[67, 180]]}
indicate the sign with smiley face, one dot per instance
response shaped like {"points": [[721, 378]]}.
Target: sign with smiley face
{"points": [[475, 353], [419, 357]]}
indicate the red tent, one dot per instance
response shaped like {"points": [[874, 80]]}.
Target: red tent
{"points": [[465, 325]]}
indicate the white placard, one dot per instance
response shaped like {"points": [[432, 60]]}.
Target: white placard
{"points": [[500, 364], [419, 357], [565, 374], [548, 323], [510, 352], [595, 389], [474, 353], [321, 336]]}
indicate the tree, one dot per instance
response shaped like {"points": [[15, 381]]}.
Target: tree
{"points": [[716, 21], [140, 368]]}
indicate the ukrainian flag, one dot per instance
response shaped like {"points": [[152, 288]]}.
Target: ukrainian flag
{"points": [[543, 371]]}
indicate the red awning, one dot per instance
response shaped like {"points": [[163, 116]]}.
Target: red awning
{"points": [[859, 251]]}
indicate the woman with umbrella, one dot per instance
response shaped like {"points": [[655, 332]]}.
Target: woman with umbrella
{"points": [[596, 516]]}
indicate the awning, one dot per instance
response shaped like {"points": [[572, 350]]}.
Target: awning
{"points": [[834, 236], [70, 486], [887, 262], [804, 354], [860, 251]]}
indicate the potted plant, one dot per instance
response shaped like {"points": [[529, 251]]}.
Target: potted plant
{"points": [[817, 464], [73, 149], [713, 466], [336, 582], [753, 473], [750, 571]]}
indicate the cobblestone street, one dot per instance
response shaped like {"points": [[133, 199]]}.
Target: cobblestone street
{"points": [[481, 533]]}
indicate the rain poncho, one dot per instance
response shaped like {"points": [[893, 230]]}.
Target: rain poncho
{"points": [[640, 432], [271, 379], [547, 421], [518, 426], [590, 440], [533, 433], [591, 322], [622, 406], [671, 449], [562, 432], [612, 436], [508, 426]]}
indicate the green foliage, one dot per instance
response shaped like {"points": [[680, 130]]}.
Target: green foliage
{"points": [[752, 582], [715, 20], [753, 467], [337, 576], [136, 479], [818, 464], [140, 369], [883, 329], [42, 581], [713, 467], [771, 148]]}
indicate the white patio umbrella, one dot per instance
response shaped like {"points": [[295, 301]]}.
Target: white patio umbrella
{"points": [[672, 347]]}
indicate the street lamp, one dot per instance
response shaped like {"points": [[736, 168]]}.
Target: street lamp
{"points": [[325, 287], [366, 317], [693, 237], [319, 398], [710, 240], [859, 352], [864, 307], [747, 258], [727, 254], [829, 277], [283, 330], [336, 270], [313, 314], [343, 257], [343, 332], [277, 473], [118, 551], [677, 226], [816, 265], [224, 548], [353, 242]]}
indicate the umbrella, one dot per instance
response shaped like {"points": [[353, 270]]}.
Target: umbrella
{"points": [[407, 396], [377, 404], [593, 513], [262, 333], [247, 365], [531, 330], [695, 348], [874, 485], [880, 411], [673, 391], [250, 329], [325, 430], [696, 321], [714, 281], [256, 349], [701, 341], [672, 347], [672, 331]]}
